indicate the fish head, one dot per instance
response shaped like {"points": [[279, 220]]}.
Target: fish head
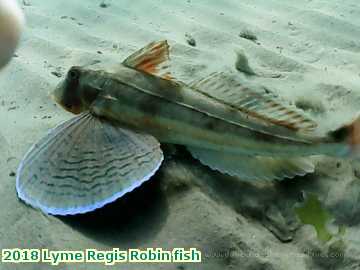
{"points": [[74, 93]]}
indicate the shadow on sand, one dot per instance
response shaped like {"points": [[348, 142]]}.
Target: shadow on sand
{"points": [[129, 221]]}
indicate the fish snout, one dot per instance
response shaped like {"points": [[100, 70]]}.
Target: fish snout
{"points": [[67, 101], [58, 92]]}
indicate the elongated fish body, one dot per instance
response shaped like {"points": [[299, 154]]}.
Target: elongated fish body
{"points": [[113, 145], [176, 113]]}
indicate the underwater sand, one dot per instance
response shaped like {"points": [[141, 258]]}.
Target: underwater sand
{"points": [[306, 51]]}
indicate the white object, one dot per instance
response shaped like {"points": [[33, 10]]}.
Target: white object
{"points": [[11, 24]]}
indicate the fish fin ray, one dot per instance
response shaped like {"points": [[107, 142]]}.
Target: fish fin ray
{"points": [[85, 163], [253, 167], [153, 59], [264, 107]]}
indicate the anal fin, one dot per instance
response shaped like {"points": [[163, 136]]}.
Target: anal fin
{"points": [[253, 167]]}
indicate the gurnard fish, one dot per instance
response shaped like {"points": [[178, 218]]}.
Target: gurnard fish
{"points": [[113, 145]]}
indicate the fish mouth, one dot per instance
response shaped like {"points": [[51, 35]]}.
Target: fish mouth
{"points": [[72, 109], [56, 96], [57, 93]]}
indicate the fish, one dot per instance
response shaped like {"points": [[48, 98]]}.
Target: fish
{"points": [[113, 144]]}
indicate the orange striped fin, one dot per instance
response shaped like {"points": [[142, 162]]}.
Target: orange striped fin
{"points": [[152, 59], [257, 105]]}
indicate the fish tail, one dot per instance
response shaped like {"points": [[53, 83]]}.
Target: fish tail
{"points": [[349, 134]]}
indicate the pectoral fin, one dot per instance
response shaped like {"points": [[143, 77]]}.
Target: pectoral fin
{"points": [[253, 167], [85, 163], [153, 59]]}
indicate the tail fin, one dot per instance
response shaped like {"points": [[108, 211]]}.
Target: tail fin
{"points": [[350, 135]]}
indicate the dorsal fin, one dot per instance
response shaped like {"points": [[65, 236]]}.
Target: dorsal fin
{"points": [[265, 107], [153, 59]]}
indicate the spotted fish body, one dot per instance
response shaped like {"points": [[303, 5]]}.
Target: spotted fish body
{"points": [[84, 163]]}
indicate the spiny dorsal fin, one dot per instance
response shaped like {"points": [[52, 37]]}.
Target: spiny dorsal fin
{"points": [[265, 107], [153, 59]]}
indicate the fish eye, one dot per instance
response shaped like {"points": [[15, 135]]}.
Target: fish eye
{"points": [[73, 74]]}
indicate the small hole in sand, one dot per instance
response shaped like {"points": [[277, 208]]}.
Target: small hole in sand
{"points": [[247, 34], [313, 106]]}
